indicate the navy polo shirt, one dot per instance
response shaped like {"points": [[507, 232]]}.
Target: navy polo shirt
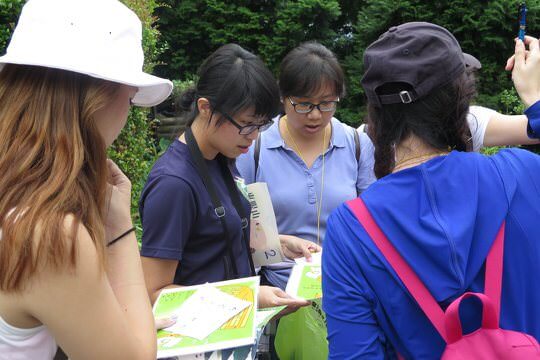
{"points": [[179, 221]]}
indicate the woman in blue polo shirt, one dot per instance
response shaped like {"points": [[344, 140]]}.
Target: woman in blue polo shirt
{"points": [[440, 209], [308, 158], [195, 227]]}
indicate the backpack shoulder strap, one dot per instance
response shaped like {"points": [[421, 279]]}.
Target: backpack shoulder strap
{"points": [[418, 290], [357, 152], [356, 145], [256, 154], [494, 271], [428, 304]]}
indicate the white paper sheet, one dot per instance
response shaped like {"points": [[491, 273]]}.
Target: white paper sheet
{"points": [[315, 259], [206, 311]]}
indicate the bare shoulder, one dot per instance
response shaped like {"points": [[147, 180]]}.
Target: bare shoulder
{"points": [[53, 281], [82, 267]]}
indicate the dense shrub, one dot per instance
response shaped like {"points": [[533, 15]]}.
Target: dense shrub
{"points": [[135, 149], [9, 12], [192, 29]]}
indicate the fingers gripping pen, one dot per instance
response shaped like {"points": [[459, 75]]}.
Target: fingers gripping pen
{"points": [[522, 21]]}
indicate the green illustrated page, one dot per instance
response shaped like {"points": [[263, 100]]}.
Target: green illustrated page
{"points": [[240, 330], [305, 281]]}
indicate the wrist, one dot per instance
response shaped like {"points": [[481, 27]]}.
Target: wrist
{"points": [[120, 227], [121, 236]]}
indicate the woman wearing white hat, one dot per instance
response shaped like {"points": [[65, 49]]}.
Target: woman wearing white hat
{"points": [[70, 272]]}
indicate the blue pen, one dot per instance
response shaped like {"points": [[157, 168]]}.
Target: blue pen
{"points": [[522, 21]]}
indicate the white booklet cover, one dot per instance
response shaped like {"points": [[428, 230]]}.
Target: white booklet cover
{"points": [[264, 237]]}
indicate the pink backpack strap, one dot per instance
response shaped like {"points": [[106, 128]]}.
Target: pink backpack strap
{"points": [[494, 272], [412, 282], [407, 275]]}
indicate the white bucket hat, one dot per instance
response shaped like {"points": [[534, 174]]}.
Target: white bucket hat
{"points": [[99, 38]]}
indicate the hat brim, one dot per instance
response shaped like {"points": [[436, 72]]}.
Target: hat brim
{"points": [[152, 90], [471, 61]]}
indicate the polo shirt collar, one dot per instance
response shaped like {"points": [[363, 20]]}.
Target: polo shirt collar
{"points": [[274, 140]]}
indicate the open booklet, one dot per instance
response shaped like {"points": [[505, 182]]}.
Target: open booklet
{"points": [[305, 281], [211, 316], [263, 316]]}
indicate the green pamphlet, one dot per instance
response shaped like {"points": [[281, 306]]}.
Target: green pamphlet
{"points": [[210, 317]]}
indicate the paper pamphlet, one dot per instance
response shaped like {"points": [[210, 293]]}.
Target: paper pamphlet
{"points": [[315, 259], [262, 317], [305, 281], [264, 237], [205, 311], [211, 316]]}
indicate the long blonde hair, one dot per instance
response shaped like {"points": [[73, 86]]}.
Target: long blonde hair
{"points": [[52, 164]]}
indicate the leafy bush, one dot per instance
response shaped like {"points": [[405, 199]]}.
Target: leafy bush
{"points": [[192, 29], [135, 149], [9, 12], [510, 102]]}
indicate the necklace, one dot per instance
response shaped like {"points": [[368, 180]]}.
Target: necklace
{"points": [[414, 160], [318, 199]]}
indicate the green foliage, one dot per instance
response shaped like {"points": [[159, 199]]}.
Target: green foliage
{"points": [[9, 12], [134, 150], [192, 29], [511, 103], [182, 85]]}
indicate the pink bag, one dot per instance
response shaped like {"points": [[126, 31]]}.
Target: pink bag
{"points": [[487, 342]]}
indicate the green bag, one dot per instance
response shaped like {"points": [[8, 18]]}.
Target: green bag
{"points": [[302, 334]]}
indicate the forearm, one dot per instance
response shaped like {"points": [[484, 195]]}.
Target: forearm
{"points": [[126, 278], [507, 130]]}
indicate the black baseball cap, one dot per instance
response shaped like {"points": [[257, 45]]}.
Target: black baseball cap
{"points": [[423, 55]]}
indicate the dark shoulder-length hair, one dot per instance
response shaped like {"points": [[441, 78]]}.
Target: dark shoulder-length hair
{"points": [[309, 67], [232, 79], [439, 119]]}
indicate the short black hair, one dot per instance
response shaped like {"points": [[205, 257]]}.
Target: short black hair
{"points": [[233, 79], [306, 69]]}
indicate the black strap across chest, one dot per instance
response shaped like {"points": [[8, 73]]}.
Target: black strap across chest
{"points": [[219, 209]]}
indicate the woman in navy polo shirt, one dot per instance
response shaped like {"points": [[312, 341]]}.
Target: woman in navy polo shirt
{"points": [[195, 227]]}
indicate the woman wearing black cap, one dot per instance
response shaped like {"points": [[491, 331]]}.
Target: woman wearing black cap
{"points": [[437, 205]]}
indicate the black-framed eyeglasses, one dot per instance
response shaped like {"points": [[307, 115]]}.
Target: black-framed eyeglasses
{"points": [[248, 129], [307, 107]]}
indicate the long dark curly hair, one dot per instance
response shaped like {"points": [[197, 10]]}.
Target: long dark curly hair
{"points": [[439, 119]]}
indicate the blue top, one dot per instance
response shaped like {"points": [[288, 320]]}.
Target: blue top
{"points": [[179, 221], [533, 124], [442, 216], [295, 188]]}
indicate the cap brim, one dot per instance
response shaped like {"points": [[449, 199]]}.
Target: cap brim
{"points": [[471, 61], [152, 90]]}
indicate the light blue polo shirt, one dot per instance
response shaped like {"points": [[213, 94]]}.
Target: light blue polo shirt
{"points": [[294, 188]]}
